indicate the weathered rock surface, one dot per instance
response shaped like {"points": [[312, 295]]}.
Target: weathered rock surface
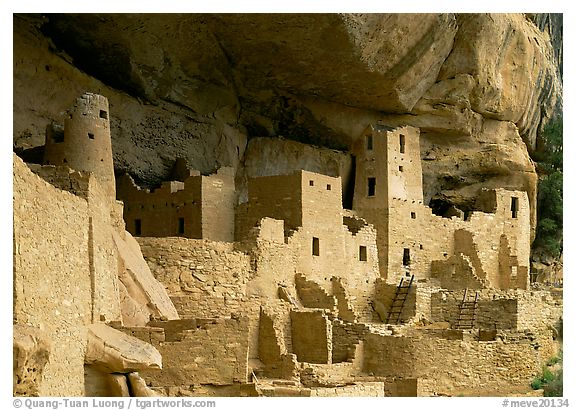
{"points": [[198, 89], [513, 66], [456, 170], [116, 352], [146, 138], [31, 352], [140, 284], [138, 386], [118, 385]]}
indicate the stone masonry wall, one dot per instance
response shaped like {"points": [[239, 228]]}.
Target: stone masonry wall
{"points": [[313, 295], [211, 279], [275, 197], [105, 217], [429, 237], [52, 283], [203, 351], [384, 298], [318, 241], [103, 254], [360, 389], [388, 193], [203, 278], [200, 207], [218, 199], [273, 261], [481, 364], [311, 336], [159, 211], [85, 143], [345, 337], [512, 310], [272, 350], [538, 310]]}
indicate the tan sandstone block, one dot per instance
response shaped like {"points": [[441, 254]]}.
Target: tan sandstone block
{"points": [[116, 352], [118, 385], [143, 282], [139, 388]]}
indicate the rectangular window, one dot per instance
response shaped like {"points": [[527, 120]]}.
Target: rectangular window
{"points": [[103, 114], [369, 143], [311, 183], [90, 135], [514, 271], [363, 253], [329, 187], [401, 168], [406, 257], [402, 143], [137, 227], [413, 215], [315, 246], [514, 207], [371, 186], [180, 226]]}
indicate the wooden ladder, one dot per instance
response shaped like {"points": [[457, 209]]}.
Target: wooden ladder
{"points": [[467, 314], [398, 302]]}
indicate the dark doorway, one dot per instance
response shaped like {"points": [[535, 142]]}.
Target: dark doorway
{"points": [[406, 257], [371, 186], [315, 246], [514, 207]]}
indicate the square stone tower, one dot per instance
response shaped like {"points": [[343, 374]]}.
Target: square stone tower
{"points": [[387, 167], [388, 177]]}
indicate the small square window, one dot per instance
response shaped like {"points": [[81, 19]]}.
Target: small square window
{"points": [[329, 187], [311, 183], [103, 114], [363, 253], [401, 168], [90, 135]]}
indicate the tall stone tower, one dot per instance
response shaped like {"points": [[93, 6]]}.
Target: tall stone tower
{"points": [[85, 143], [387, 167], [388, 179]]}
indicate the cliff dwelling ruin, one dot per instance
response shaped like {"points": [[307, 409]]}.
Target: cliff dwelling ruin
{"points": [[181, 291], [284, 205]]}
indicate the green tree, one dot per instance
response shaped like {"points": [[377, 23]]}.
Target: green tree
{"points": [[550, 166]]}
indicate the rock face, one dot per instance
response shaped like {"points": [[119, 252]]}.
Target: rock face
{"points": [[31, 352], [140, 288], [509, 59], [479, 86], [115, 352]]}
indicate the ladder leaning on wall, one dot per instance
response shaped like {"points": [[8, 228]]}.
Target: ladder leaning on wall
{"points": [[402, 291], [467, 313]]}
